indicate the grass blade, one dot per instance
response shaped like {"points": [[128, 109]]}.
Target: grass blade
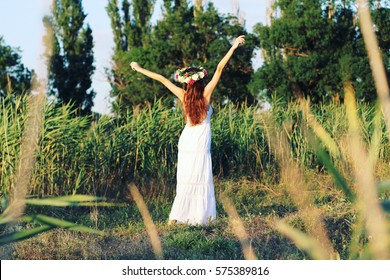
{"points": [[24, 234], [149, 224], [72, 200], [54, 222], [238, 228], [319, 130], [374, 54], [80, 198], [376, 223], [60, 203], [340, 180]]}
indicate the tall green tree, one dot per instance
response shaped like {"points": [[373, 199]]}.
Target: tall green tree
{"points": [[130, 23], [71, 61], [186, 35], [14, 77], [310, 49]]}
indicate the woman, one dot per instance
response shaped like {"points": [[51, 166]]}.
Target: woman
{"points": [[195, 199]]}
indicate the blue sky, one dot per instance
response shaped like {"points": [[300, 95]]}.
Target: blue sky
{"points": [[21, 26]]}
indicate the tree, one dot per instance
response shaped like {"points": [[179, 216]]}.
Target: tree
{"points": [[185, 36], [311, 49], [131, 29], [201, 36], [14, 77], [71, 62]]}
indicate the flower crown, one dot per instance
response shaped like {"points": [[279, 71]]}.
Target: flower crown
{"points": [[190, 75]]}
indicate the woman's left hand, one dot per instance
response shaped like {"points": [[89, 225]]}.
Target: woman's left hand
{"points": [[239, 41], [134, 65]]}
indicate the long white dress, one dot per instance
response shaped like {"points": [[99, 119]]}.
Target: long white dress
{"points": [[195, 199]]}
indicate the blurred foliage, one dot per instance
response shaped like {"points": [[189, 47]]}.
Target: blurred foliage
{"points": [[312, 47]]}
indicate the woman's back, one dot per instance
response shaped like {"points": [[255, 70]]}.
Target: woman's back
{"points": [[195, 105]]}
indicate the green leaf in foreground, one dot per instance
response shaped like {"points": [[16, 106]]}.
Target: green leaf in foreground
{"points": [[23, 234], [61, 203], [72, 200], [54, 222], [340, 180], [47, 223]]}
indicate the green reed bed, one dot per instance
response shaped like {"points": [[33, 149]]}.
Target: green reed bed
{"points": [[101, 155]]}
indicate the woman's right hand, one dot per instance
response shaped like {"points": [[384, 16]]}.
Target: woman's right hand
{"points": [[134, 65], [240, 40]]}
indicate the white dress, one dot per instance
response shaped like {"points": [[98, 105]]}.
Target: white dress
{"points": [[195, 199]]}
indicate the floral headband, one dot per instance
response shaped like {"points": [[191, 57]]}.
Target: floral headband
{"points": [[190, 77]]}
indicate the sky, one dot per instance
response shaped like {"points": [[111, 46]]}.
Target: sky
{"points": [[21, 27]]}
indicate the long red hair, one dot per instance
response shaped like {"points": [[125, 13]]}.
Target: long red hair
{"points": [[195, 105]]}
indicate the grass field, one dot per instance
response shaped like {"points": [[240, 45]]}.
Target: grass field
{"points": [[258, 205]]}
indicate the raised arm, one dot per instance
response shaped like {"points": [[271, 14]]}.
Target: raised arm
{"points": [[179, 92], [218, 72]]}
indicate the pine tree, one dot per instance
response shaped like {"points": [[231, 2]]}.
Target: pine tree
{"points": [[71, 62], [14, 77]]}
